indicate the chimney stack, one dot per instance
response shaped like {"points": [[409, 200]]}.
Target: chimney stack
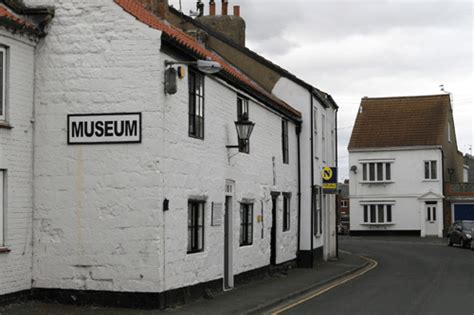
{"points": [[236, 10], [157, 7], [232, 26], [225, 6], [212, 8]]}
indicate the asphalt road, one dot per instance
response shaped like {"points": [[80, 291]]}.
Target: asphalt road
{"points": [[412, 277]]}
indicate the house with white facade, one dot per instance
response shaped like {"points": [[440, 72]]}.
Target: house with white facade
{"points": [[401, 152], [225, 34], [21, 29]]}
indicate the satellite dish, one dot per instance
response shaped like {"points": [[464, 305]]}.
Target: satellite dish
{"points": [[208, 66]]}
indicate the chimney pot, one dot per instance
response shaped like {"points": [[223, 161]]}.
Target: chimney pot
{"points": [[225, 6], [236, 10], [212, 7]]}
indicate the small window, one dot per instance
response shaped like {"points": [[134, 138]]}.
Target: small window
{"points": [[284, 138], [344, 203], [317, 215], [431, 170], [3, 53], [242, 114], [323, 138], [195, 226], [2, 199], [315, 132], [246, 224], [196, 104], [286, 211]]}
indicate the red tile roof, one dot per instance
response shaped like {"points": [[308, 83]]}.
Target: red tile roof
{"points": [[137, 10], [401, 121], [16, 20]]}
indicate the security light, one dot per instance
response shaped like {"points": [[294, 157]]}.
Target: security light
{"points": [[206, 66]]}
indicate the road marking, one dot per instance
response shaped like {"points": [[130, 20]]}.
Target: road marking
{"points": [[330, 286]]}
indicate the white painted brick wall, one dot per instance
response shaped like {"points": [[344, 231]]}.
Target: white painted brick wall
{"points": [[99, 222], [16, 158]]}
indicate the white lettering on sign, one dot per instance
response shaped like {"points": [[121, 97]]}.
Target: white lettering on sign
{"points": [[104, 128]]}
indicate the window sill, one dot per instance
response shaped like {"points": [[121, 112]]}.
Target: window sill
{"points": [[195, 252], [246, 245], [377, 183], [431, 180], [4, 250], [378, 224], [5, 125]]}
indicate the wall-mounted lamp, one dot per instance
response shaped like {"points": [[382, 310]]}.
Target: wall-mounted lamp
{"points": [[354, 169], [244, 129], [206, 66]]}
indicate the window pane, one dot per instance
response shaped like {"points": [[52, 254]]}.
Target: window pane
{"points": [[372, 214], [389, 213], [434, 213], [381, 214], [364, 171], [433, 170], [2, 80], [427, 170], [388, 175], [428, 213], [372, 171], [380, 171], [366, 214]]}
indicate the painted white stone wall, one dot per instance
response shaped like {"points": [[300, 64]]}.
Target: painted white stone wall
{"points": [[16, 146], [323, 155], [192, 174], [409, 190], [99, 222]]}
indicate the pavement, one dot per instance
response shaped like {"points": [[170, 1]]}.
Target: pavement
{"points": [[250, 298]]}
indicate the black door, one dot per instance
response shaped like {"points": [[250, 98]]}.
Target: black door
{"points": [[274, 230]]}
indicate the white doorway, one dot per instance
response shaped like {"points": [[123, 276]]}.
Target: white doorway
{"points": [[228, 235], [431, 218]]}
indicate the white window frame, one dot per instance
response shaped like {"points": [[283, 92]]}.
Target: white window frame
{"points": [[366, 170], [343, 203], [430, 170], [377, 220], [315, 131], [2, 207], [323, 138], [3, 115]]}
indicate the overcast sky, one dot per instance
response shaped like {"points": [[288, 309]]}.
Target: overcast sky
{"points": [[352, 49]]}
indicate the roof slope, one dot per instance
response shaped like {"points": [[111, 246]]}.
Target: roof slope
{"points": [[16, 17], [140, 13], [325, 98], [401, 121]]}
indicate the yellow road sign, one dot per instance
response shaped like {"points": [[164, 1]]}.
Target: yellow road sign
{"points": [[330, 186], [327, 173]]}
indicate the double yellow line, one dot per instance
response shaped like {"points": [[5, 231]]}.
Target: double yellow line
{"points": [[330, 286]]}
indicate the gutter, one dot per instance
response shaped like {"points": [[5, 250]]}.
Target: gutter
{"points": [[337, 167], [298, 134], [312, 179]]}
